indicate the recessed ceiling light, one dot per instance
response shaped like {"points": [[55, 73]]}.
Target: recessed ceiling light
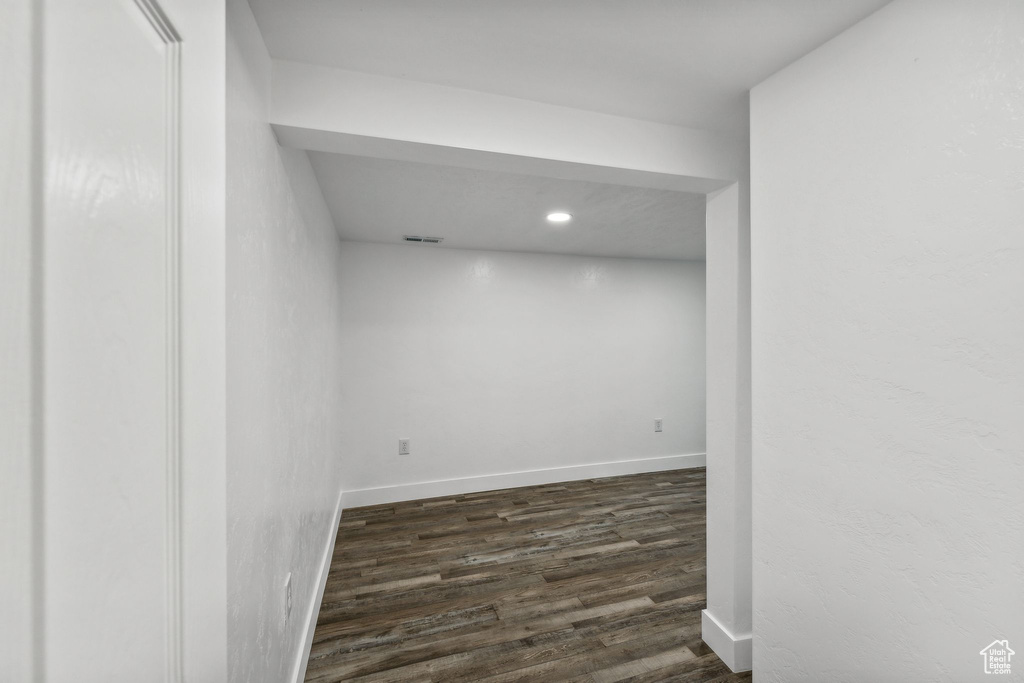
{"points": [[559, 217]]}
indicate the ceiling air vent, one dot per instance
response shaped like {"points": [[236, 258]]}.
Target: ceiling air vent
{"points": [[423, 240]]}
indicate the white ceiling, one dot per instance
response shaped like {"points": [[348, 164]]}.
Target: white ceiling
{"points": [[682, 62], [380, 200]]}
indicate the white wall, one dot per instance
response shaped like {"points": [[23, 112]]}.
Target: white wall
{"points": [[888, 280], [284, 381], [499, 362], [726, 623]]}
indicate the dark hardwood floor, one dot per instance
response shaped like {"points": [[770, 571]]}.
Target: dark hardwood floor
{"points": [[598, 580]]}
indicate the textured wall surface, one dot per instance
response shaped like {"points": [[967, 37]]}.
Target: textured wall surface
{"points": [[495, 362], [888, 280], [284, 382]]}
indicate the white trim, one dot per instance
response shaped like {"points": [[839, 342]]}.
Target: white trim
{"points": [[302, 659], [21, 341], [167, 34], [734, 650], [492, 482]]}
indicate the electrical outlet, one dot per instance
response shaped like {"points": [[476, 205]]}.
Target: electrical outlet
{"points": [[657, 424], [288, 598], [403, 446]]}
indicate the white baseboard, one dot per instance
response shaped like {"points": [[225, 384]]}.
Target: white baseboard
{"points": [[735, 651], [491, 482], [302, 659]]}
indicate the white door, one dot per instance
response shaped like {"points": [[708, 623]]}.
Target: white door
{"points": [[125, 249], [110, 330]]}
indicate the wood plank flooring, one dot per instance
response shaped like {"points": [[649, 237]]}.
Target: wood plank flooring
{"points": [[591, 581]]}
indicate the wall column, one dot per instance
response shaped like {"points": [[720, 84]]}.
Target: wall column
{"points": [[726, 623]]}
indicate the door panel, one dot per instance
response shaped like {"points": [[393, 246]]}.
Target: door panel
{"points": [[110, 330]]}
